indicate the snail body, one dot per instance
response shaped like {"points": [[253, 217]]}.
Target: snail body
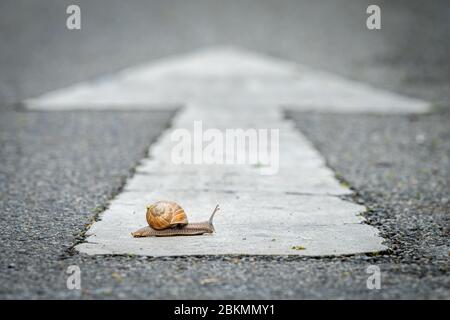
{"points": [[168, 219]]}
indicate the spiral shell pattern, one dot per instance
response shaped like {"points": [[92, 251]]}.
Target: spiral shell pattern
{"points": [[165, 214]]}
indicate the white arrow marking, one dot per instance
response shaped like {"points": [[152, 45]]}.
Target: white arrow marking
{"points": [[226, 88], [228, 76]]}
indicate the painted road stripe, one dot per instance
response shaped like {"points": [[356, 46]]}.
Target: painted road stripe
{"points": [[263, 215], [299, 206], [211, 75]]}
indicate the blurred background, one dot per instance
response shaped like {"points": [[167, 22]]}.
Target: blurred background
{"points": [[59, 170], [409, 54]]}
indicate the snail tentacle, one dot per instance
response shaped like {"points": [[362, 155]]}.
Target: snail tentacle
{"points": [[210, 221]]}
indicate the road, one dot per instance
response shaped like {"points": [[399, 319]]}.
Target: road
{"points": [[409, 53], [60, 169]]}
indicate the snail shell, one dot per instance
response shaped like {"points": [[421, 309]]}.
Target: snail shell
{"points": [[167, 219], [165, 214]]}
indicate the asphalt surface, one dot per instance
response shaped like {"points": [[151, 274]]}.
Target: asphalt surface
{"points": [[59, 169], [51, 191], [58, 172], [408, 55]]}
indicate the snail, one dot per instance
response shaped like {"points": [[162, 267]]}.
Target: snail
{"points": [[168, 219]]}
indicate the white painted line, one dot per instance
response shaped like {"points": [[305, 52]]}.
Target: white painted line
{"points": [[209, 75], [261, 215]]}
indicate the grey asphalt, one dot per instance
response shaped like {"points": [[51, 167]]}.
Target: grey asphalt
{"points": [[59, 169], [409, 54]]}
